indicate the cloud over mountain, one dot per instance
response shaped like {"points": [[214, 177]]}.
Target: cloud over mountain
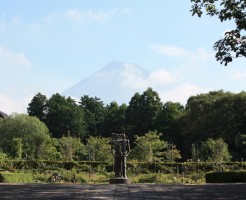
{"points": [[119, 81]]}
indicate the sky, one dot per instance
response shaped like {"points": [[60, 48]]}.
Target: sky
{"points": [[48, 46]]}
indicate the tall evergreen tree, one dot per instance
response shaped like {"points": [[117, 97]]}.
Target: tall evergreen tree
{"points": [[64, 117], [38, 107], [143, 111], [114, 119], [94, 112]]}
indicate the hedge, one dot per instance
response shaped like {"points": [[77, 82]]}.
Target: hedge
{"points": [[226, 177], [6, 177]]}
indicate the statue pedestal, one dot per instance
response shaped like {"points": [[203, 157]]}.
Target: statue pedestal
{"points": [[119, 181]]}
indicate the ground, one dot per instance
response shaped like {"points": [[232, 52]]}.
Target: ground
{"points": [[123, 191]]}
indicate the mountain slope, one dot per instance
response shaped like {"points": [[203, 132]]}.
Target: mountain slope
{"points": [[117, 81]]}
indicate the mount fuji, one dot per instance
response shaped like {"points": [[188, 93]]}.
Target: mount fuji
{"points": [[117, 81]]}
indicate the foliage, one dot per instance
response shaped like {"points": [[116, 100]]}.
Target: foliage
{"points": [[171, 153], [99, 149], [38, 107], [234, 42], [23, 136], [3, 156], [52, 150], [114, 121], [216, 114], [148, 147], [214, 151], [94, 112], [226, 177], [7, 177], [169, 121], [143, 111], [64, 117], [240, 142], [69, 146]]}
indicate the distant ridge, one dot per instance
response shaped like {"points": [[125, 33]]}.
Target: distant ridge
{"points": [[111, 83]]}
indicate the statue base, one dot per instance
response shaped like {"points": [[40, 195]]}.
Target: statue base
{"points": [[119, 181]]}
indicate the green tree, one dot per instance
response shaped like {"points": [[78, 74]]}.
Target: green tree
{"points": [[234, 42], [143, 111], [99, 149], [94, 112], [23, 136], [38, 107], [241, 146], [53, 150], [114, 121], [217, 114], [133, 115], [64, 117], [171, 153], [69, 147], [214, 151], [169, 121], [148, 147]]}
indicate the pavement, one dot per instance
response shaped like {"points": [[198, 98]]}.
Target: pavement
{"points": [[123, 191]]}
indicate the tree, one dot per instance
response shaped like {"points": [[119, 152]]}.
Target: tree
{"points": [[38, 107], [233, 44], [169, 121], [99, 149], [148, 147], [23, 136], [94, 112], [114, 121], [241, 146], [143, 111], [214, 151], [217, 114], [64, 117], [171, 153], [133, 115], [69, 146]]}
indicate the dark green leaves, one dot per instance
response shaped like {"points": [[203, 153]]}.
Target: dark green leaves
{"points": [[233, 44]]}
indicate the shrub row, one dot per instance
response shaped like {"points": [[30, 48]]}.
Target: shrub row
{"points": [[16, 178], [226, 177]]}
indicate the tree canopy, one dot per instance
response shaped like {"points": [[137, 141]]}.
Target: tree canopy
{"points": [[233, 44], [23, 136]]}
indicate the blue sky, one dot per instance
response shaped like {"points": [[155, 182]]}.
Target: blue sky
{"points": [[48, 46]]}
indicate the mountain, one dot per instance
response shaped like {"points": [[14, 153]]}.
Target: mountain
{"points": [[117, 81]]}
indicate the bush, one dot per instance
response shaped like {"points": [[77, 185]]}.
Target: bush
{"points": [[16, 177], [70, 165], [226, 177], [147, 178]]}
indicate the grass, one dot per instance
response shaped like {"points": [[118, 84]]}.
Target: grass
{"points": [[82, 177]]}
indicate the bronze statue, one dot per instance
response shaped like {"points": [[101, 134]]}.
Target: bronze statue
{"points": [[121, 148]]}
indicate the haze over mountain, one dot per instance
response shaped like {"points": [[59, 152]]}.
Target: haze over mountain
{"points": [[119, 81], [114, 82]]}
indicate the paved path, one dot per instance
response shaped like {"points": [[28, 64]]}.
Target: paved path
{"points": [[124, 192]]}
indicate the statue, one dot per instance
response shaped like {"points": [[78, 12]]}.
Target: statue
{"points": [[121, 148]]}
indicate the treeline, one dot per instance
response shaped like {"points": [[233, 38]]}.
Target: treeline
{"points": [[208, 121]]}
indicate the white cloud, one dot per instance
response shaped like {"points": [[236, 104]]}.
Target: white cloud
{"points": [[134, 78], [181, 93], [170, 50], [168, 85], [161, 78], [240, 75], [78, 15], [200, 54], [10, 59], [74, 14], [12, 104]]}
